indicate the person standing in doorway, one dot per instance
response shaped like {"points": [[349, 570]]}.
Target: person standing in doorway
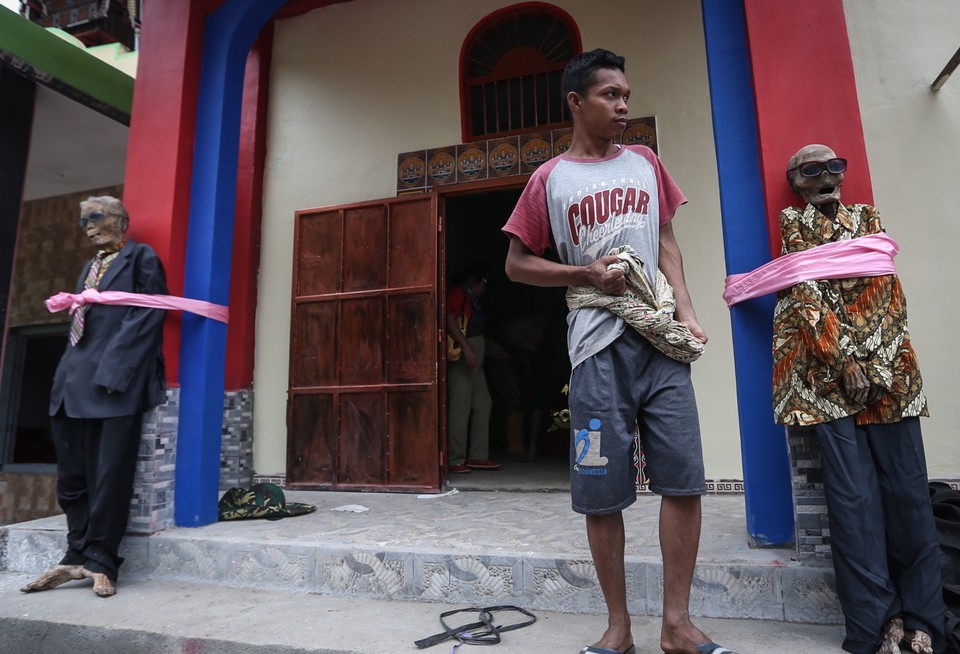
{"points": [[468, 398], [596, 199], [110, 373]]}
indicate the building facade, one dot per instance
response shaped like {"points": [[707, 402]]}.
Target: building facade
{"points": [[267, 135]]}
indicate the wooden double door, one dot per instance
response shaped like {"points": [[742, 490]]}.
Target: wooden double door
{"points": [[364, 403]]}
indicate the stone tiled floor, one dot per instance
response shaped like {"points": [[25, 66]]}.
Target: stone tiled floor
{"points": [[470, 546]]}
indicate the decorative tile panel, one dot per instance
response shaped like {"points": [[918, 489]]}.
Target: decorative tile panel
{"points": [[472, 162], [412, 170], [422, 170], [503, 157], [535, 150], [441, 166]]}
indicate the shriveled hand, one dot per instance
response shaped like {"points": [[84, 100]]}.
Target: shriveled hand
{"points": [[855, 382], [875, 393]]}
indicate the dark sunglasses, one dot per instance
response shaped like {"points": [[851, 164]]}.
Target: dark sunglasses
{"points": [[92, 218], [816, 168]]}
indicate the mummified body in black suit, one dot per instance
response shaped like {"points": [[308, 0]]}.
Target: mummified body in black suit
{"points": [[111, 372]]}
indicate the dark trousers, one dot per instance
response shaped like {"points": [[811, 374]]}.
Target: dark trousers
{"points": [[96, 462], [882, 535]]}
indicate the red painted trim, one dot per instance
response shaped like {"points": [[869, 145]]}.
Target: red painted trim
{"points": [[805, 93], [241, 331], [485, 23], [160, 145]]}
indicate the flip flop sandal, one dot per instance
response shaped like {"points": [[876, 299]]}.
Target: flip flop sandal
{"points": [[481, 632], [713, 648], [607, 650]]}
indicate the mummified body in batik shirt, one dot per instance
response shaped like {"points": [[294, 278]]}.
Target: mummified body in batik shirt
{"points": [[818, 325]]}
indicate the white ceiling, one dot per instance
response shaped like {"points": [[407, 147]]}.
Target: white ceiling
{"points": [[72, 148]]}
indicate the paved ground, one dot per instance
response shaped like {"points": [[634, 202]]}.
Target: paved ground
{"points": [[156, 613], [156, 617]]}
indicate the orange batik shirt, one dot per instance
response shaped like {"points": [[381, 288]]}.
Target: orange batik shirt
{"points": [[817, 325]]}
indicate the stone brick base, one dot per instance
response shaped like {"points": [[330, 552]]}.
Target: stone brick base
{"points": [[236, 449], [151, 509], [810, 504], [28, 496]]}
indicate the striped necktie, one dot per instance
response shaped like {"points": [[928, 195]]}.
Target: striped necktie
{"points": [[93, 277]]}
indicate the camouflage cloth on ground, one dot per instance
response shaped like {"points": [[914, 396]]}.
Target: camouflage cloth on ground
{"points": [[261, 501]]}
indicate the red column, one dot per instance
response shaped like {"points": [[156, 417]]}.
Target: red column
{"points": [[160, 145], [806, 93]]}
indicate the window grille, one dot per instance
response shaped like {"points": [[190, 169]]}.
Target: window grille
{"points": [[511, 71]]}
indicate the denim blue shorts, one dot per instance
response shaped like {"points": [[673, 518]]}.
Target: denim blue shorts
{"points": [[631, 388]]}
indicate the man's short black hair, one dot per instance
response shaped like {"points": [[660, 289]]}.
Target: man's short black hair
{"points": [[581, 71]]}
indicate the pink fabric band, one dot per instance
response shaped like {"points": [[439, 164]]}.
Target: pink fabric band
{"points": [[74, 301], [866, 256]]}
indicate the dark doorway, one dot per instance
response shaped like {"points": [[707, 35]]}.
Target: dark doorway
{"points": [[32, 357], [526, 386]]}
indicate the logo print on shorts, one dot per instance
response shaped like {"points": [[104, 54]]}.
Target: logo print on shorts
{"points": [[587, 444]]}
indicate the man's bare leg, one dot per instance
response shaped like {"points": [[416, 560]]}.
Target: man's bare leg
{"points": [[606, 538], [55, 576], [679, 544]]}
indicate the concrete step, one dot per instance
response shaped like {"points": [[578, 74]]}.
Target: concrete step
{"points": [[469, 549], [164, 617]]}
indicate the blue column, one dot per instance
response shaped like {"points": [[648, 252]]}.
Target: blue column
{"points": [[229, 34], [766, 463]]}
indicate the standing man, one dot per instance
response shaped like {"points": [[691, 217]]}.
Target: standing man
{"points": [[596, 197], [844, 366], [111, 372], [468, 397]]}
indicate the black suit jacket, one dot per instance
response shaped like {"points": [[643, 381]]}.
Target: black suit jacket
{"points": [[121, 348]]}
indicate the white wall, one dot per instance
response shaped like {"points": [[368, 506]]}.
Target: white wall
{"points": [[913, 146], [354, 84]]}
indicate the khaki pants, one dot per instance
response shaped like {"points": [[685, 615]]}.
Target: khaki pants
{"points": [[468, 409]]}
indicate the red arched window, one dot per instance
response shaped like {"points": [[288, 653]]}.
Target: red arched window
{"points": [[510, 71]]}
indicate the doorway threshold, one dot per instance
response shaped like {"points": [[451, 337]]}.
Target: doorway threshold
{"points": [[542, 475]]}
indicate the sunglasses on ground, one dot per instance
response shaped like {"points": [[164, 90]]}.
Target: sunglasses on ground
{"points": [[816, 168]]}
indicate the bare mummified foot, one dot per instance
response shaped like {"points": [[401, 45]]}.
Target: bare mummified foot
{"points": [[102, 585], [59, 574], [891, 637], [919, 641]]}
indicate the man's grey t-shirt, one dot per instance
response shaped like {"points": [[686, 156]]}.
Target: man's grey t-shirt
{"points": [[586, 207]]}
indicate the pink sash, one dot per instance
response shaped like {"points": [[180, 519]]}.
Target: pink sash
{"points": [[866, 256], [74, 301]]}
